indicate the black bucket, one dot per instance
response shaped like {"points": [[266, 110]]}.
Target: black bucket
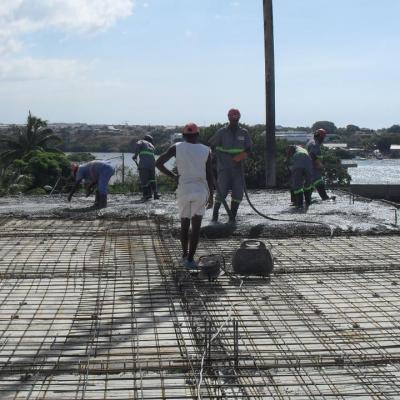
{"points": [[210, 266], [253, 258]]}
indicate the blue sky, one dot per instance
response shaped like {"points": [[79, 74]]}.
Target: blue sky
{"points": [[173, 61]]}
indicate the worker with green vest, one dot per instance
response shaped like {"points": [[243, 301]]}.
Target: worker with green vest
{"points": [[300, 166], [231, 145], [314, 150], [144, 149]]}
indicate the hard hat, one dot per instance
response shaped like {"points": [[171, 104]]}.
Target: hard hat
{"points": [[234, 113], [148, 138], [191, 129], [320, 132]]}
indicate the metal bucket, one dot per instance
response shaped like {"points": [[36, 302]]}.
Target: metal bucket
{"points": [[252, 258]]}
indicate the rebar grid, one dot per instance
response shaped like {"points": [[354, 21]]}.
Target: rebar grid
{"points": [[101, 309]]}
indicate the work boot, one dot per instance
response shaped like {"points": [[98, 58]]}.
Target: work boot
{"points": [[292, 198], [234, 210], [146, 190], [322, 192], [307, 197], [299, 200], [153, 189], [216, 212], [102, 201]]}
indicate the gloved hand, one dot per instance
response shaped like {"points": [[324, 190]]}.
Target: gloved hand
{"points": [[239, 157]]}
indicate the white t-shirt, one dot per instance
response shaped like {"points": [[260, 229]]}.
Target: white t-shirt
{"points": [[191, 160]]}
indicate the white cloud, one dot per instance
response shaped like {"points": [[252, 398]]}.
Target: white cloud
{"points": [[21, 17], [37, 69]]}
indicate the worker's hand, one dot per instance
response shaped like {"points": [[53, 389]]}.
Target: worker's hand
{"points": [[210, 201], [319, 164], [240, 157]]}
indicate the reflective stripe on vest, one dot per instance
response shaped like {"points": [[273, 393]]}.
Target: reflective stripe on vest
{"points": [[230, 151], [146, 152]]}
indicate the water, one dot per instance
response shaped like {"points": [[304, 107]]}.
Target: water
{"points": [[371, 171], [115, 159]]}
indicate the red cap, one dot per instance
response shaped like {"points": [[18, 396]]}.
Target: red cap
{"points": [[234, 113], [191, 129], [320, 132]]}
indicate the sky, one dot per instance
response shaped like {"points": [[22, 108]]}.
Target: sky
{"points": [[168, 62]]}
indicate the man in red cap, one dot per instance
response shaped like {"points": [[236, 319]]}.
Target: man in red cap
{"points": [[195, 187], [231, 145], [314, 150]]}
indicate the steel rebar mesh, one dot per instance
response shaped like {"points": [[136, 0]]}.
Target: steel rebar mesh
{"points": [[102, 309]]}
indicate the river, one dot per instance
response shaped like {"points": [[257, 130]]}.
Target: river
{"points": [[370, 171]]}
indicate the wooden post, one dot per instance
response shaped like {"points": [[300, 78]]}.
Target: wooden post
{"points": [[270, 145]]}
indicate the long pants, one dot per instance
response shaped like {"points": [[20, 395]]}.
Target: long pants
{"points": [[105, 174], [230, 179], [317, 179], [301, 180], [148, 181]]}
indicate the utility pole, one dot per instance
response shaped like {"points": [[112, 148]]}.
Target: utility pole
{"points": [[270, 146]]}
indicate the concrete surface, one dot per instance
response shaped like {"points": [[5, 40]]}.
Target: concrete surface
{"points": [[322, 218]]}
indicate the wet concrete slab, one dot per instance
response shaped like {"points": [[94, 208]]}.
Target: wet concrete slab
{"points": [[344, 216]]}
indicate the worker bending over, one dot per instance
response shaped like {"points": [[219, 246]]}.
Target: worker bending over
{"points": [[144, 149], [195, 187], [314, 150], [300, 166], [96, 175], [231, 145]]}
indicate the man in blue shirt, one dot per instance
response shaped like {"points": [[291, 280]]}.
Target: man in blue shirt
{"points": [[231, 145], [95, 174]]}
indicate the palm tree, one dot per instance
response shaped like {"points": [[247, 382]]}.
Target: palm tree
{"points": [[36, 136]]}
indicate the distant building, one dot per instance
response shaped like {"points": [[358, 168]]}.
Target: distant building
{"points": [[395, 150], [334, 146], [176, 137], [294, 136]]}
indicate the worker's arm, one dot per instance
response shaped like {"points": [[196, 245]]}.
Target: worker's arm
{"points": [[136, 153], [74, 188], [247, 148], [241, 156], [164, 158], [210, 181], [90, 189]]}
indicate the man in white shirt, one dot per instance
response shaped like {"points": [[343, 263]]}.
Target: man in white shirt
{"points": [[195, 187]]}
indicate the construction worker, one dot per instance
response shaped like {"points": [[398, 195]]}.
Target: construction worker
{"points": [[96, 175], [144, 149], [314, 150], [301, 169], [195, 187], [231, 145]]}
